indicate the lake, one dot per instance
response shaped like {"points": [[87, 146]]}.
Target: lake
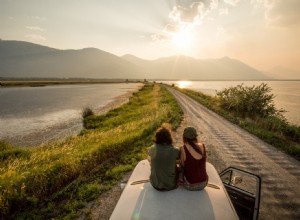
{"points": [[287, 93], [52, 110], [34, 115]]}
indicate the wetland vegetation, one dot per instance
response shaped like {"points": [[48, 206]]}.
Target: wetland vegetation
{"points": [[57, 179]]}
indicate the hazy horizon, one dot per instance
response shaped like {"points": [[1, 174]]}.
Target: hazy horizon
{"points": [[261, 33]]}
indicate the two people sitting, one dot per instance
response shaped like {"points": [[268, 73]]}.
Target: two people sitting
{"points": [[171, 166]]}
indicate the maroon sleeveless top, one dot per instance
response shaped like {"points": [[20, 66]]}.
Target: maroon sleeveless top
{"points": [[195, 170]]}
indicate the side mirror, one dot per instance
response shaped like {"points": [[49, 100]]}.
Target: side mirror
{"points": [[236, 180]]}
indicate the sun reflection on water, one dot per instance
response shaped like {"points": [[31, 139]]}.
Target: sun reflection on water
{"points": [[184, 84]]}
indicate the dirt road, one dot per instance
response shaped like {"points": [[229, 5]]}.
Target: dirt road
{"points": [[229, 145]]}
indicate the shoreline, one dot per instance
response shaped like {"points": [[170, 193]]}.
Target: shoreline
{"points": [[5, 83], [62, 131], [83, 167]]}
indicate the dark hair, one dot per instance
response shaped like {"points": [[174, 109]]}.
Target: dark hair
{"points": [[163, 135], [193, 142]]}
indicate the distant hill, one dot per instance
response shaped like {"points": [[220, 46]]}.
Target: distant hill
{"points": [[280, 72], [19, 48], [23, 59], [183, 67]]}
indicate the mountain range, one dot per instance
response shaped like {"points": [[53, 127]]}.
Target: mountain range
{"points": [[279, 71], [20, 59]]}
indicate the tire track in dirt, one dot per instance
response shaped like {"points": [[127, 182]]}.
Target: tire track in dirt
{"points": [[229, 145]]}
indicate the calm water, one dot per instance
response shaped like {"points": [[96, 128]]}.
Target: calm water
{"points": [[287, 93], [25, 110]]}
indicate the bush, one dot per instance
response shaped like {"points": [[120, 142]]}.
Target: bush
{"points": [[4, 145], [253, 102], [87, 112]]}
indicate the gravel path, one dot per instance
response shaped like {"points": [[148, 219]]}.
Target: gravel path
{"points": [[229, 145]]}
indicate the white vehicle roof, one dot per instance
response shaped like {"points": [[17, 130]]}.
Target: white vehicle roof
{"points": [[142, 201]]}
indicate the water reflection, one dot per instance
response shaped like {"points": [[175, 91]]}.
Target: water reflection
{"points": [[27, 110], [28, 125], [183, 84]]}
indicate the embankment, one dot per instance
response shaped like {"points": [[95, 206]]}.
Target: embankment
{"points": [[57, 179]]}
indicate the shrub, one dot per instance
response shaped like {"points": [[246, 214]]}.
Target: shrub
{"points": [[87, 112], [4, 145], [244, 101]]}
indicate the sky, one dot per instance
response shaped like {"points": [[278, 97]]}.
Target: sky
{"points": [[262, 33]]}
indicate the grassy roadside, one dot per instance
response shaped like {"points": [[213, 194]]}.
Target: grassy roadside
{"points": [[273, 130], [56, 180]]}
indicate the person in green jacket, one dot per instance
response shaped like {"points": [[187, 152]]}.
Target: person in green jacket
{"points": [[162, 157]]}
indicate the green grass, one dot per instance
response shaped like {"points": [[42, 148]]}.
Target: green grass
{"points": [[58, 179], [273, 130]]}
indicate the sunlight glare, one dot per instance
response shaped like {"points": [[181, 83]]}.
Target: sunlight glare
{"points": [[183, 84], [182, 39]]}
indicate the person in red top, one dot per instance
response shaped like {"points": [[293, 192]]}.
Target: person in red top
{"points": [[193, 161]]}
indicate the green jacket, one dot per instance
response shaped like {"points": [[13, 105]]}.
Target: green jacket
{"points": [[163, 166]]}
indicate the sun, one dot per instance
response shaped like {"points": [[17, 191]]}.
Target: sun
{"points": [[182, 39]]}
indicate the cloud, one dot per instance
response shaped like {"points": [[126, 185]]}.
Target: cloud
{"points": [[284, 13], [171, 28], [166, 33], [38, 18], [193, 13], [35, 37], [160, 37], [188, 14], [35, 28], [280, 13], [232, 2], [185, 15], [223, 11]]}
